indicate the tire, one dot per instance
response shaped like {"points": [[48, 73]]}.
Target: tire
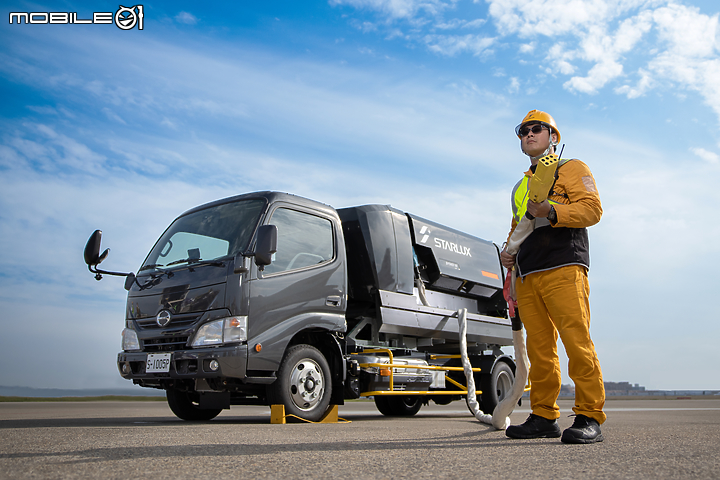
{"points": [[495, 386], [398, 406], [185, 407], [304, 384], [444, 399]]}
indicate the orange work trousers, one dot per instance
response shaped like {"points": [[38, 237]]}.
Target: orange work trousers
{"points": [[551, 302]]}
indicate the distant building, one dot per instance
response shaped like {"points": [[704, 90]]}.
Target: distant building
{"points": [[567, 390], [623, 388]]}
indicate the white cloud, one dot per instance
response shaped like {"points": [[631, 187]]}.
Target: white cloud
{"points": [[549, 17], [527, 47], [186, 18], [457, 23], [559, 59], [450, 25], [368, 27], [399, 9], [686, 54], [605, 51], [657, 43], [643, 85], [166, 122], [691, 58], [44, 109], [687, 32], [52, 151], [596, 78], [708, 156], [113, 116], [477, 23], [451, 45]]}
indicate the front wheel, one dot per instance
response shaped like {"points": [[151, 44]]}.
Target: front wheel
{"points": [[398, 406], [303, 385], [495, 386], [185, 406]]}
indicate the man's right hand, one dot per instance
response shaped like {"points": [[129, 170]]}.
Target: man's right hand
{"points": [[507, 260]]}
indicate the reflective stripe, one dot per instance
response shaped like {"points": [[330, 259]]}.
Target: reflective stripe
{"points": [[520, 198]]}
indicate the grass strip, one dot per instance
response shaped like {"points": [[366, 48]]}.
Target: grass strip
{"points": [[103, 398]]}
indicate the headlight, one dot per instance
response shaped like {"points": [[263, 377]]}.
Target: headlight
{"points": [[130, 340], [225, 330]]}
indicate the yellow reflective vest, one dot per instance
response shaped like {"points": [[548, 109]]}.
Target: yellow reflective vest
{"points": [[577, 204]]}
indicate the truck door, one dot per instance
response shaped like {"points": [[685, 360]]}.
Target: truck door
{"points": [[302, 289]]}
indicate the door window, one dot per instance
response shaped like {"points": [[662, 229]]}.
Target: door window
{"points": [[304, 240]]}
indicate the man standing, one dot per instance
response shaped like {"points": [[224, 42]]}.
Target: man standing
{"points": [[552, 289]]}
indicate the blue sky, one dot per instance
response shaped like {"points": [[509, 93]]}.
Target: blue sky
{"points": [[403, 102]]}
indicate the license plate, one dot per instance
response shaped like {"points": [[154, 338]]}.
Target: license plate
{"points": [[158, 363]]}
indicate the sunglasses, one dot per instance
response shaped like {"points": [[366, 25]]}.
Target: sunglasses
{"points": [[535, 129]]}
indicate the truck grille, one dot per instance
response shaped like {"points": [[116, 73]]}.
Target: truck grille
{"points": [[165, 344], [171, 337], [179, 321]]}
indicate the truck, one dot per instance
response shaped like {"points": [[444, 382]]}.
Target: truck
{"points": [[269, 298]]}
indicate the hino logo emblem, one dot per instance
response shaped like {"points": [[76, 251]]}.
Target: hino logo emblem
{"points": [[163, 318]]}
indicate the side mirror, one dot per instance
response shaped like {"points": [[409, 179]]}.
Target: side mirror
{"points": [[129, 280], [266, 245], [92, 249], [93, 258]]}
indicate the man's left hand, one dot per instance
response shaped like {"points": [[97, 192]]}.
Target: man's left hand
{"points": [[538, 210]]}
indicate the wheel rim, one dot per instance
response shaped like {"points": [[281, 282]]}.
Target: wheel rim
{"points": [[409, 402], [504, 385], [307, 384]]}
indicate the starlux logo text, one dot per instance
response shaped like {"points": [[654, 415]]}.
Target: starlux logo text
{"points": [[125, 18]]}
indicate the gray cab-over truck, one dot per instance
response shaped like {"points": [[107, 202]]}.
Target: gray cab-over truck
{"points": [[269, 298]]}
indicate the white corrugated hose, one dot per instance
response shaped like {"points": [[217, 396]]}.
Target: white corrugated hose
{"points": [[500, 418], [471, 398]]}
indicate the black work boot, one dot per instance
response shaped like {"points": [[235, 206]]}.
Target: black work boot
{"points": [[534, 427], [584, 430]]}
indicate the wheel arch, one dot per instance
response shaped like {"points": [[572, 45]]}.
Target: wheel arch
{"points": [[274, 341], [506, 359], [330, 346], [487, 363]]}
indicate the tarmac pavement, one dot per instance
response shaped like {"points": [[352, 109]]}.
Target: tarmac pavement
{"points": [[643, 439]]}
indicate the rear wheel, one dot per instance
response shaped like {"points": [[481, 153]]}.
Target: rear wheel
{"points": [[303, 385], [496, 386], [398, 406], [185, 406]]}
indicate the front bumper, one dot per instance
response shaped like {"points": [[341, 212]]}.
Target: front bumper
{"points": [[188, 364]]}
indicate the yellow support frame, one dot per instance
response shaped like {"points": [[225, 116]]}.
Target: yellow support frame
{"points": [[278, 416], [392, 366], [435, 357]]}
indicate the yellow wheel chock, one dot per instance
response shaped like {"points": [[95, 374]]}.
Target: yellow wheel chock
{"points": [[277, 415]]}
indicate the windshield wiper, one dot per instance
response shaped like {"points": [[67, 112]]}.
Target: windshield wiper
{"points": [[148, 267], [193, 262], [155, 266]]}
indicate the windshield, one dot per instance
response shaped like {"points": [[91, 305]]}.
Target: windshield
{"points": [[206, 235]]}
